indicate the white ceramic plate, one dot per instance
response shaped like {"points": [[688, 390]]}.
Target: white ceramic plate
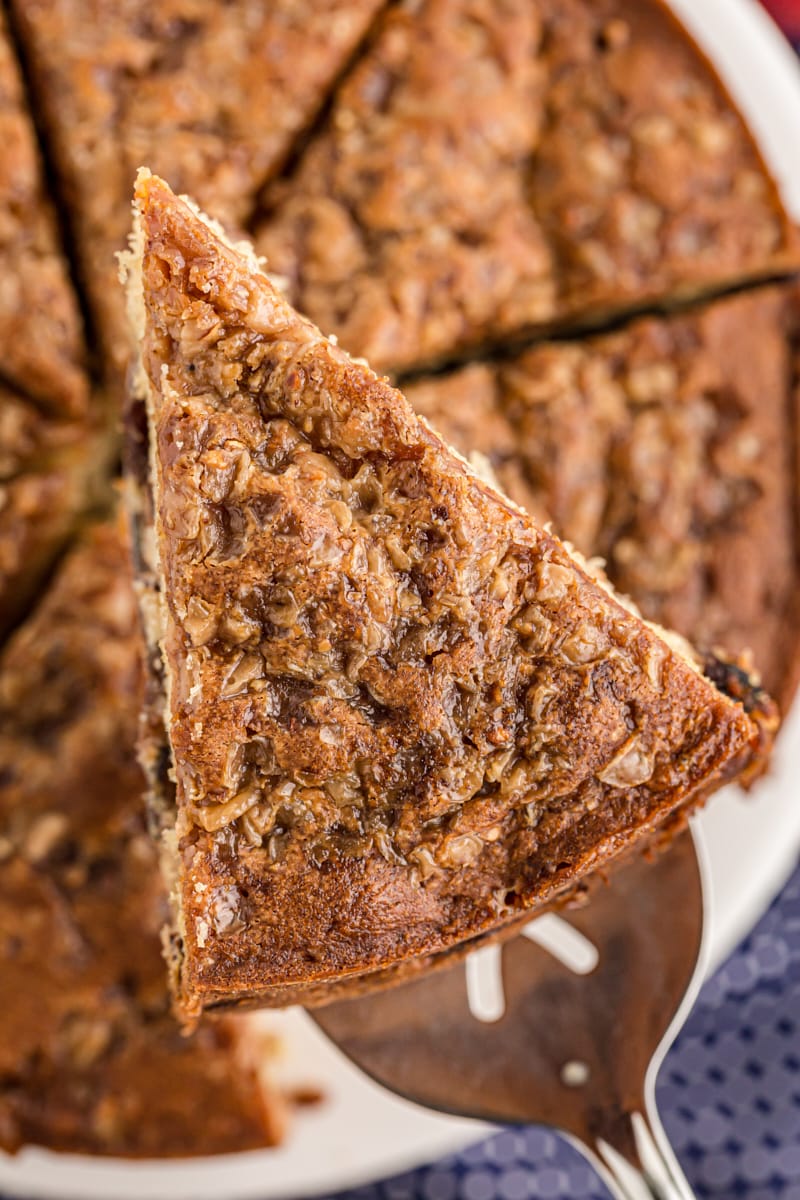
{"points": [[361, 1132]]}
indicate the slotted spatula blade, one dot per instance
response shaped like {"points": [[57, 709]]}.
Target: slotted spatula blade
{"points": [[577, 1052]]}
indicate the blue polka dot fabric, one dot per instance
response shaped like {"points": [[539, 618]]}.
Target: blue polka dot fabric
{"points": [[728, 1094]]}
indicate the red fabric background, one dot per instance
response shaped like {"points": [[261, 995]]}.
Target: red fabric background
{"points": [[787, 14]]}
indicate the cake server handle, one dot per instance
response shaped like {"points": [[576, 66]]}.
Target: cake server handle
{"points": [[656, 1176]]}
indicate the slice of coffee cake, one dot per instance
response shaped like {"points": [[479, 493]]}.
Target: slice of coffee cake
{"points": [[399, 713], [50, 446], [41, 340]]}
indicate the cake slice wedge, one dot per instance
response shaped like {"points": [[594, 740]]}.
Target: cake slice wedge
{"points": [[213, 95], [41, 338], [398, 713]]}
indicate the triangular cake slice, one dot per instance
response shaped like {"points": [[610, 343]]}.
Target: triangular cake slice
{"points": [[399, 712], [41, 340]]}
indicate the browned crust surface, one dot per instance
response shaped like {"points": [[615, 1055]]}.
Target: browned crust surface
{"points": [[40, 329], [489, 167], [212, 95], [668, 450], [48, 450], [400, 712], [586, 182], [90, 1058], [49, 470], [463, 406]]}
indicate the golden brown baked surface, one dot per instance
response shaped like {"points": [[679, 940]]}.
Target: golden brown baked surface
{"points": [[489, 167], [46, 480], [668, 450], [46, 464], [399, 711], [485, 168], [90, 1058], [40, 330], [212, 95], [463, 406]]}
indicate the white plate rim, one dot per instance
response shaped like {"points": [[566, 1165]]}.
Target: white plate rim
{"points": [[362, 1133]]}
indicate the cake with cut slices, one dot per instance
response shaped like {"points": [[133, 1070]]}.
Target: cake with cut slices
{"points": [[394, 715], [398, 713]]}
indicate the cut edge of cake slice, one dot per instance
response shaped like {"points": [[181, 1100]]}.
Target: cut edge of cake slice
{"points": [[392, 802]]}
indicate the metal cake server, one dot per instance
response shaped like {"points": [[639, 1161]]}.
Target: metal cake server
{"points": [[571, 1039]]}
